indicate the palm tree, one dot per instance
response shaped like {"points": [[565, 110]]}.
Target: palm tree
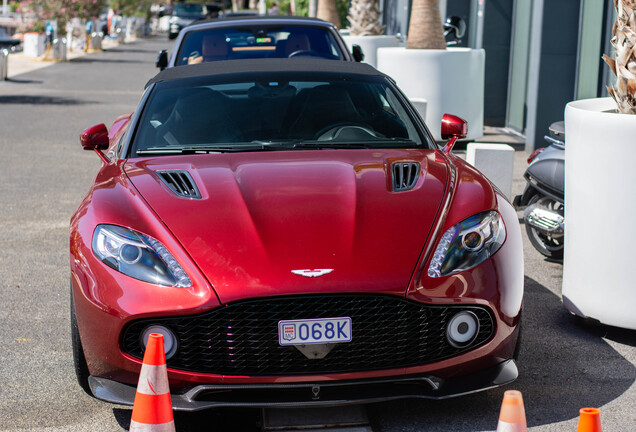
{"points": [[425, 28], [624, 66], [328, 11], [364, 18]]}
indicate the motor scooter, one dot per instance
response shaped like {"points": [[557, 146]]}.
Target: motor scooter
{"points": [[454, 30], [543, 196]]}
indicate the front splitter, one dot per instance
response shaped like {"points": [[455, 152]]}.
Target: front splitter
{"points": [[317, 393]]}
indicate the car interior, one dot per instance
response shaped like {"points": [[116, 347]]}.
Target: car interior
{"points": [[278, 111], [243, 43]]}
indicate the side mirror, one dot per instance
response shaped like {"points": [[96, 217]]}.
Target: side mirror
{"points": [[453, 128], [358, 55], [162, 60], [95, 138]]}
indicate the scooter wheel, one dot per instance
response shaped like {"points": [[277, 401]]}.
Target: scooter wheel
{"points": [[551, 247]]}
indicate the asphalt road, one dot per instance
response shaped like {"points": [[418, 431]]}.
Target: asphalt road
{"points": [[565, 363]]}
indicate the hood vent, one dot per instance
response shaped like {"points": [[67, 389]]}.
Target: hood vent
{"points": [[180, 182], [404, 175]]}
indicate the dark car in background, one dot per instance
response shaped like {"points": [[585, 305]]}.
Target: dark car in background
{"points": [[257, 37], [184, 14], [6, 41]]}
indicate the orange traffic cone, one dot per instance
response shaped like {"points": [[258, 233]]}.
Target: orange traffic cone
{"points": [[512, 417], [589, 420], [152, 411]]}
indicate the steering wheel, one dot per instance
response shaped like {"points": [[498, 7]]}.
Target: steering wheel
{"points": [[304, 53], [358, 130], [195, 57]]}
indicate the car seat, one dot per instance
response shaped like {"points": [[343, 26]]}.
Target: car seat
{"points": [[324, 105], [199, 117], [214, 47], [296, 42]]}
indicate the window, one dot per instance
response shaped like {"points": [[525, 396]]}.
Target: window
{"points": [[191, 115], [263, 42]]}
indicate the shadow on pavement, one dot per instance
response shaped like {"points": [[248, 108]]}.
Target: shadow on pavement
{"points": [[564, 365], [24, 81], [217, 420], [92, 59], [125, 48], [615, 334], [40, 100]]}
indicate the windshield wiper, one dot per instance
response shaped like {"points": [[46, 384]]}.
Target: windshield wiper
{"points": [[226, 148], [384, 143], [274, 145], [328, 144]]}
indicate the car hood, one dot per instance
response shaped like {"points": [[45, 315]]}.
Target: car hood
{"points": [[264, 219]]}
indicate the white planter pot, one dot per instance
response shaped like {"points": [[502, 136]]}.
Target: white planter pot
{"points": [[370, 45], [600, 205], [34, 44], [420, 106], [452, 81]]}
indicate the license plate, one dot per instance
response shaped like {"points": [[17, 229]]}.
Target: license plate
{"points": [[314, 331]]}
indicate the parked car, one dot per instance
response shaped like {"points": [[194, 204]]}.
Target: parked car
{"points": [[7, 42], [185, 14], [294, 232], [257, 37]]}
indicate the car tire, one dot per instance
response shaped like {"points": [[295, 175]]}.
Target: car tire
{"points": [[547, 246], [79, 360]]}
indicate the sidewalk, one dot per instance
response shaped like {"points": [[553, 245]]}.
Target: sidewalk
{"points": [[20, 64]]}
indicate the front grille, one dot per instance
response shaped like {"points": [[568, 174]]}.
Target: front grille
{"points": [[242, 339]]}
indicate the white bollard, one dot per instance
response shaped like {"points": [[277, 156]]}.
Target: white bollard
{"points": [[59, 49], [96, 41], [495, 161], [4, 64]]}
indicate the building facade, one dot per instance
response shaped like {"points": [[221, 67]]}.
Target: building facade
{"points": [[540, 55]]}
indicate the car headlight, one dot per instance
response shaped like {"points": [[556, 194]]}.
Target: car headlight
{"points": [[138, 256], [468, 244]]}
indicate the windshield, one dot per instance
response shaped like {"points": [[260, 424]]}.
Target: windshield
{"points": [[190, 10], [180, 117], [263, 42]]}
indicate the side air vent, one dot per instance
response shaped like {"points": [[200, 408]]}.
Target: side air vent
{"points": [[180, 182], [404, 175]]}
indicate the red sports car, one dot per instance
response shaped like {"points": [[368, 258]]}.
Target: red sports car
{"points": [[297, 236]]}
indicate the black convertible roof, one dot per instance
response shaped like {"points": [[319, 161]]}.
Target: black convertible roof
{"points": [[259, 20], [265, 66]]}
